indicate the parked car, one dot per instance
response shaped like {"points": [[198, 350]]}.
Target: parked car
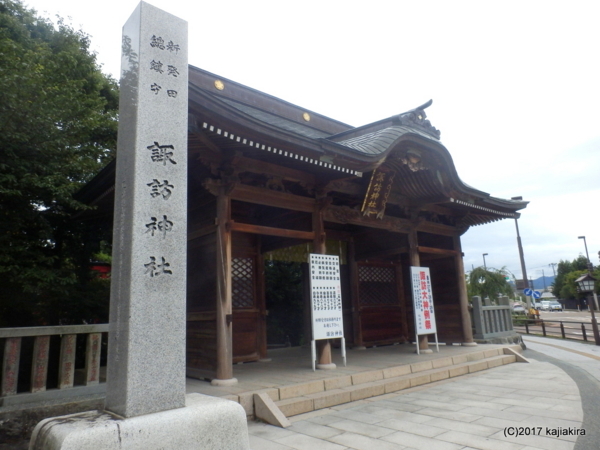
{"points": [[518, 308], [551, 305], [537, 305]]}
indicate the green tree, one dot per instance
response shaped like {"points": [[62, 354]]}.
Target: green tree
{"points": [[58, 122], [560, 287], [488, 283], [569, 287]]}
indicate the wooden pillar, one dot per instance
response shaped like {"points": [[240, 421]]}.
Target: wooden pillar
{"points": [[261, 302], [324, 360], [224, 307], [306, 312], [356, 324], [462, 295], [402, 299], [415, 260]]}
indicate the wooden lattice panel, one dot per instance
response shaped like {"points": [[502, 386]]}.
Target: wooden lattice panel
{"points": [[377, 286], [242, 277]]}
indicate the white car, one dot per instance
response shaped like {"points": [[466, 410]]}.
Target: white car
{"points": [[517, 308], [551, 305]]}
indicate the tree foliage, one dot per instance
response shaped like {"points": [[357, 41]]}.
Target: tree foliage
{"points": [[566, 273], [58, 122], [488, 283]]}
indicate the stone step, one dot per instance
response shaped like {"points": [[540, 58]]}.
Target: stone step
{"points": [[371, 384], [317, 394]]}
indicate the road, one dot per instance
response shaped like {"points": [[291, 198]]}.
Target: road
{"points": [[583, 316]]}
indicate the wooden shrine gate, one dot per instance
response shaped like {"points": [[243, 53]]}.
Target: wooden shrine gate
{"points": [[265, 175]]}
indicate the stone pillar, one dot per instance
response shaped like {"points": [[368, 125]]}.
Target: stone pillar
{"points": [[10, 366], [66, 371], [146, 352], [92, 359], [224, 306], [463, 297], [506, 313], [39, 370], [415, 260], [145, 396], [478, 319]]}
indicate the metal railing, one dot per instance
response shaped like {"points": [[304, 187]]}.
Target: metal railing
{"points": [[566, 329], [71, 354]]}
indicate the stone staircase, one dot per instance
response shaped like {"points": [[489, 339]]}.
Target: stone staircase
{"points": [[287, 401]]}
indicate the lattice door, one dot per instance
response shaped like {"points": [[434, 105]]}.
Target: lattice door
{"points": [[377, 286], [242, 277]]}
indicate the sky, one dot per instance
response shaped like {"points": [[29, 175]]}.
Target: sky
{"points": [[515, 88]]}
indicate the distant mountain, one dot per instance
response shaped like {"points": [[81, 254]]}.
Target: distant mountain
{"points": [[538, 283]]}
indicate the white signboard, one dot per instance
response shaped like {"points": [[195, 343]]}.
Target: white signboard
{"points": [[422, 301], [326, 300], [326, 297]]}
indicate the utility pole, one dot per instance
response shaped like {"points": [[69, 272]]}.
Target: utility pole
{"points": [[553, 265], [544, 278]]}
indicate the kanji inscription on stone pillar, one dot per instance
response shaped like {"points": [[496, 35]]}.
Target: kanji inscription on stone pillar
{"points": [[146, 367]]}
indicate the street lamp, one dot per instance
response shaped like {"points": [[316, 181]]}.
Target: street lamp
{"points": [[484, 266], [587, 255], [587, 283], [523, 269]]}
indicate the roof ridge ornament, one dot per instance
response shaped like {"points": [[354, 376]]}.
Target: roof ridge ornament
{"points": [[417, 118]]}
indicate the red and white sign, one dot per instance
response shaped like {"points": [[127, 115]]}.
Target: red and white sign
{"points": [[422, 301]]}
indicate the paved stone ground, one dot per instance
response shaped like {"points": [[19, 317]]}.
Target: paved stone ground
{"points": [[293, 365], [472, 412], [582, 363]]}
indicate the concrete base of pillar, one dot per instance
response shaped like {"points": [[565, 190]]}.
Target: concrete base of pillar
{"points": [[326, 366], [205, 422], [228, 382], [425, 350], [469, 344]]}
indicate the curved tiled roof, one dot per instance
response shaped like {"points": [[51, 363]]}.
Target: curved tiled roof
{"points": [[378, 142], [275, 120], [324, 141]]}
